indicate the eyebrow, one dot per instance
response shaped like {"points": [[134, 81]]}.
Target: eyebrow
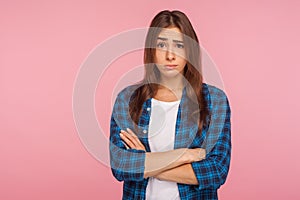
{"points": [[165, 39]]}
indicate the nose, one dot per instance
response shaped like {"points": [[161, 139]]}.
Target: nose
{"points": [[170, 55]]}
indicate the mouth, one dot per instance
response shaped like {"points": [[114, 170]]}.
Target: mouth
{"points": [[170, 66]]}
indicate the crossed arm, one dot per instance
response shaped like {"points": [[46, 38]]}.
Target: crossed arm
{"points": [[169, 166]]}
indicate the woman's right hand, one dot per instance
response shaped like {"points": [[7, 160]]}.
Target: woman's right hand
{"points": [[157, 162], [194, 155]]}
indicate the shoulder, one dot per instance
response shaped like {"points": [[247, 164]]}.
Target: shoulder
{"points": [[215, 97], [213, 91], [121, 103], [126, 93]]}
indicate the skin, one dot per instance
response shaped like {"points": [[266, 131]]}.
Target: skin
{"points": [[174, 165], [170, 51]]}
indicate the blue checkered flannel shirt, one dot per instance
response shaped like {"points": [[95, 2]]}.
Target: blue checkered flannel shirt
{"points": [[128, 164]]}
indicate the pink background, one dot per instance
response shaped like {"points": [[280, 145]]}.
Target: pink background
{"points": [[42, 45]]}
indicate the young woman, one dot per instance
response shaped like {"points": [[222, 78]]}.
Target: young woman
{"points": [[170, 133]]}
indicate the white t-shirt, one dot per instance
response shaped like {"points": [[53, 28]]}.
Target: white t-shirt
{"points": [[161, 138]]}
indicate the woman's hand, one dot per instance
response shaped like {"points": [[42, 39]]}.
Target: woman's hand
{"points": [[194, 155], [131, 140]]}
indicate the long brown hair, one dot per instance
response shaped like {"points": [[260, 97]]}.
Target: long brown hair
{"points": [[192, 70]]}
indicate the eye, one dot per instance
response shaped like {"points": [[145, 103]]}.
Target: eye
{"points": [[161, 45], [180, 46]]}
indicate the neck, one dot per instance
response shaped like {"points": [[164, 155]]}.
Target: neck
{"points": [[175, 83]]}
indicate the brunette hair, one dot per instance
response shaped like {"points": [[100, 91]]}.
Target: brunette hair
{"points": [[192, 71]]}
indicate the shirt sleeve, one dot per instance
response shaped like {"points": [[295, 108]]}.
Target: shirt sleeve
{"points": [[126, 164], [212, 172]]}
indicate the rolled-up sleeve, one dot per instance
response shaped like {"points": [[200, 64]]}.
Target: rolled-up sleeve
{"points": [[212, 172], [126, 164]]}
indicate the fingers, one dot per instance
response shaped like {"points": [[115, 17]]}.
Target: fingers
{"points": [[134, 136], [126, 139], [127, 147], [131, 139], [197, 154], [202, 153]]}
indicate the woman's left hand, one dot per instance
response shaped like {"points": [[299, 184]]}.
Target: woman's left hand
{"points": [[131, 140]]}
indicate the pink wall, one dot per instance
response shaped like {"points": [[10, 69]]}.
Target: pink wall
{"points": [[43, 44]]}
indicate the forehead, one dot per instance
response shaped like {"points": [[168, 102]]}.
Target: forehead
{"points": [[171, 33]]}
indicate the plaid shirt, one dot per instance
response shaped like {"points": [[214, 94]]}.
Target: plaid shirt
{"points": [[128, 164]]}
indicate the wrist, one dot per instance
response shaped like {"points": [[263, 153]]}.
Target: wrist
{"points": [[186, 156]]}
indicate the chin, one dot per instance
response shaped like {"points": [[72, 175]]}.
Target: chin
{"points": [[170, 73]]}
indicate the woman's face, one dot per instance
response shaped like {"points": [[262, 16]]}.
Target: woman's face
{"points": [[170, 52]]}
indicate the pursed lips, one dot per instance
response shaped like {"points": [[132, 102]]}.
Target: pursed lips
{"points": [[170, 66]]}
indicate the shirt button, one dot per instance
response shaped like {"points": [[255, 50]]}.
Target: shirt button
{"points": [[148, 109], [145, 131]]}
